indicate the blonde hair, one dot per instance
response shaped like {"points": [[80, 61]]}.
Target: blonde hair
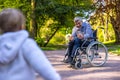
{"points": [[11, 20]]}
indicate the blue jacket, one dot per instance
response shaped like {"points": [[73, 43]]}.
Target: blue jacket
{"points": [[20, 58], [85, 29]]}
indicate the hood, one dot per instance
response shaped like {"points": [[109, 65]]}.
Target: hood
{"points": [[10, 44]]}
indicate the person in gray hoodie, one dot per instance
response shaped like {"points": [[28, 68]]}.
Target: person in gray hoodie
{"points": [[20, 56]]}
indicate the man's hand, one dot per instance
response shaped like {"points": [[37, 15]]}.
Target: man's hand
{"points": [[80, 36], [71, 38]]}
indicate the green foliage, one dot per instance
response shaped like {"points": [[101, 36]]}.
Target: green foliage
{"points": [[113, 48], [58, 39], [23, 5], [106, 36], [61, 12], [105, 29], [40, 41]]}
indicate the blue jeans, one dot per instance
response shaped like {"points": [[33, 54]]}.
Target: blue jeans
{"points": [[77, 43], [73, 45]]}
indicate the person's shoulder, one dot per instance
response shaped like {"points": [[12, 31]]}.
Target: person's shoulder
{"points": [[29, 42], [86, 24]]}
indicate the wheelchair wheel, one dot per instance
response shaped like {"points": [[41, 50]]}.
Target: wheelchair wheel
{"points": [[97, 54], [66, 55], [80, 54], [78, 64]]}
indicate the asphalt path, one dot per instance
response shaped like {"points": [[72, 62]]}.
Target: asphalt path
{"points": [[109, 71]]}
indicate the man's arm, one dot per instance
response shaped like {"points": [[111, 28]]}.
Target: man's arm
{"points": [[88, 31], [73, 33]]}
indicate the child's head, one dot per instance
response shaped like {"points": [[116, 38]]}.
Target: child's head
{"points": [[11, 20]]}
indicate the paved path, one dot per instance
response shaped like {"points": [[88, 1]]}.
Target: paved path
{"points": [[110, 71]]}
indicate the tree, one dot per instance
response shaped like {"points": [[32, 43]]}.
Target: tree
{"points": [[39, 12], [33, 23], [111, 9], [61, 12]]}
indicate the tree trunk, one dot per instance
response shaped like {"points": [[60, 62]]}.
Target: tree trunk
{"points": [[33, 23], [51, 37], [116, 29], [116, 21], [112, 8]]}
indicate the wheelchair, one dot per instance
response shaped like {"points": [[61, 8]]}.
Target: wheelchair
{"points": [[95, 53]]}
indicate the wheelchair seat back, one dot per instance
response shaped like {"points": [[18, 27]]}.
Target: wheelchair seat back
{"points": [[95, 34]]}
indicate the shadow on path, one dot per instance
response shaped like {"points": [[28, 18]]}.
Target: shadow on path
{"points": [[110, 71]]}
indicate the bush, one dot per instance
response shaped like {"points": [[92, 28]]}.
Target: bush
{"points": [[58, 39], [40, 41]]}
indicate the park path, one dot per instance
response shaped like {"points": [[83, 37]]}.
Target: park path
{"points": [[110, 71]]}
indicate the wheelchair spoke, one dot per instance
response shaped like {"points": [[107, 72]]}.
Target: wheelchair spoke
{"points": [[99, 54]]}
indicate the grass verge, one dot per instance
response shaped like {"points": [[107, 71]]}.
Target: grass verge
{"points": [[114, 48]]}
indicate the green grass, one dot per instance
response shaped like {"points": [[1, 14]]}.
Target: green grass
{"points": [[109, 42], [114, 48]]}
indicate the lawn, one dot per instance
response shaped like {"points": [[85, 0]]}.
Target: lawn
{"points": [[114, 48]]}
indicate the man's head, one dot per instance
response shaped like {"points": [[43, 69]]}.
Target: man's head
{"points": [[11, 20], [78, 21]]}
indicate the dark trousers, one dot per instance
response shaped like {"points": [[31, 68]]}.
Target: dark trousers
{"points": [[74, 44], [70, 47]]}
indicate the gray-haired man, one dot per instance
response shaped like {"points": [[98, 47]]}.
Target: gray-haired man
{"points": [[80, 32]]}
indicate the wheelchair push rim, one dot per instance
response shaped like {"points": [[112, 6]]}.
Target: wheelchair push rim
{"points": [[97, 54]]}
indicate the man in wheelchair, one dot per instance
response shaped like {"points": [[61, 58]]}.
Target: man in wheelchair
{"points": [[80, 32]]}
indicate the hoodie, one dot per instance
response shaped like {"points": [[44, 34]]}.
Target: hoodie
{"points": [[21, 57]]}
